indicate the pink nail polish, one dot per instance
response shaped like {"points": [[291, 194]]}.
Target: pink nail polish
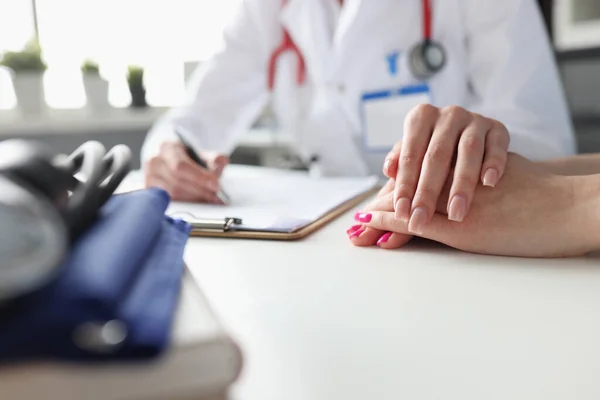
{"points": [[353, 229], [363, 217], [357, 233], [384, 238]]}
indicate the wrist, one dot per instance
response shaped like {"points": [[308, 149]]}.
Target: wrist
{"points": [[585, 217]]}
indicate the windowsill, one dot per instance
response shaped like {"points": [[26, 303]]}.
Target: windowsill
{"points": [[115, 120], [78, 121]]}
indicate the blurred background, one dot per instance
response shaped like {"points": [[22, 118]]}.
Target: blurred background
{"points": [[97, 54]]}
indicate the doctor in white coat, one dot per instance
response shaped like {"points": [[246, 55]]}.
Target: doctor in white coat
{"points": [[343, 75]]}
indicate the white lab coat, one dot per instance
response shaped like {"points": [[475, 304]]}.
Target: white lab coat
{"points": [[499, 64]]}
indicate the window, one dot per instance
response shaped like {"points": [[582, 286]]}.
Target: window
{"points": [[576, 24], [159, 35], [16, 26], [585, 10]]}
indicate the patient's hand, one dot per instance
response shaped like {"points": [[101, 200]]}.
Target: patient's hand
{"points": [[361, 235], [530, 213]]}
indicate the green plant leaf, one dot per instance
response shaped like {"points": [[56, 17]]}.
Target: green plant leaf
{"points": [[90, 67], [135, 76], [27, 60]]}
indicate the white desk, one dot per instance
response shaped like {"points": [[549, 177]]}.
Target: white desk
{"points": [[322, 320]]}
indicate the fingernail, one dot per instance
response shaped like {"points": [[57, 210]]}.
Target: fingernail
{"points": [[386, 165], [357, 233], [362, 217], [384, 238], [353, 228], [403, 208], [458, 208], [417, 220], [490, 178]]}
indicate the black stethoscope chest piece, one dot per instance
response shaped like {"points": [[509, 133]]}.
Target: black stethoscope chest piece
{"points": [[428, 57]]}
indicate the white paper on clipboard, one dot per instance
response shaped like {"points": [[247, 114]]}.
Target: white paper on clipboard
{"points": [[274, 200]]}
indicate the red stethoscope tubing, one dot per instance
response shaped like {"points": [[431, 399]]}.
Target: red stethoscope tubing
{"points": [[427, 20], [287, 44]]}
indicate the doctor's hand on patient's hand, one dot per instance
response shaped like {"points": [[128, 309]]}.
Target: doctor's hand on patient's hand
{"points": [[530, 213], [436, 143], [174, 171]]}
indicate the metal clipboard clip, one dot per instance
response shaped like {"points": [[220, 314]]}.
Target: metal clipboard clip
{"points": [[210, 224]]}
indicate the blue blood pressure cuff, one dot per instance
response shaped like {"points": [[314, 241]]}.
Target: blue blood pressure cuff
{"points": [[117, 292]]}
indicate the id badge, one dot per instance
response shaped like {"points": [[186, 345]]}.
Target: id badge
{"points": [[384, 112]]}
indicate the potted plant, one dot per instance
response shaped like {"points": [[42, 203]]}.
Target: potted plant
{"points": [[96, 88], [27, 68], [135, 81]]}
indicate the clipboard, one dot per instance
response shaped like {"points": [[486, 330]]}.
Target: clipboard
{"points": [[226, 227]]}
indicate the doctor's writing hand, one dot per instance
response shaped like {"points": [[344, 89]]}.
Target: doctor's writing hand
{"points": [[436, 140], [174, 171], [361, 235]]}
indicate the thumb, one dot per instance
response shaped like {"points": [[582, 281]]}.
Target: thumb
{"points": [[216, 161], [219, 163]]}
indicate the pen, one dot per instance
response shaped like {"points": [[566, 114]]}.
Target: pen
{"points": [[194, 156]]}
